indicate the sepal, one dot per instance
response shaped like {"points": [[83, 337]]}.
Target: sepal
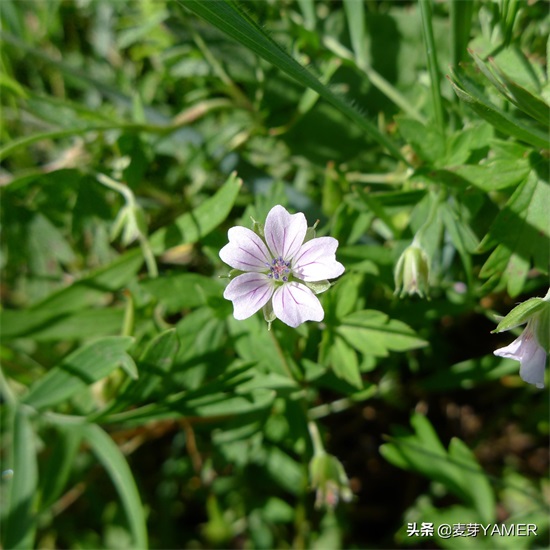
{"points": [[522, 313], [258, 228], [269, 314], [317, 287]]}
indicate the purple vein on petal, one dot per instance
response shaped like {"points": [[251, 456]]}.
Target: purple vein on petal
{"points": [[262, 261]]}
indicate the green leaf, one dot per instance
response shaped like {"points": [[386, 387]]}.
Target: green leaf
{"points": [[192, 226], [524, 100], [183, 290], [457, 470], [521, 233], [461, 24], [285, 470], [355, 15], [503, 122], [463, 237], [344, 362], [253, 342], [20, 525], [496, 174], [59, 464], [81, 368], [85, 292], [427, 141], [79, 325], [217, 407], [521, 314], [154, 366], [347, 293], [527, 102], [374, 333], [114, 462], [236, 23], [474, 479]]}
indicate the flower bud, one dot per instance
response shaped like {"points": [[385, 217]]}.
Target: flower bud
{"points": [[329, 479], [412, 272]]}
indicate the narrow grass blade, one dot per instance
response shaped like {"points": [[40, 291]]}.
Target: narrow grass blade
{"points": [[20, 523], [114, 462], [461, 23], [226, 16], [355, 13], [433, 68]]}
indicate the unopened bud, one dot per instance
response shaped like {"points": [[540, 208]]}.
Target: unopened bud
{"points": [[412, 272]]}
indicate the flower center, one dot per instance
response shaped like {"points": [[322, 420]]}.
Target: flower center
{"points": [[279, 269]]}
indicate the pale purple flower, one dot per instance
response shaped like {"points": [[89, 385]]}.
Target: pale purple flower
{"points": [[277, 269], [531, 355]]}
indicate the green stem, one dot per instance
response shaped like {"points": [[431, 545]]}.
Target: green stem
{"points": [[149, 257], [431, 56], [118, 187], [317, 442], [131, 203]]}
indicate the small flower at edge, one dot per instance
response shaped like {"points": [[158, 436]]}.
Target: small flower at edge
{"points": [[278, 267], [532, 346], [329, 480]]}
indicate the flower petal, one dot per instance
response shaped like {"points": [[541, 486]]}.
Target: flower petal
{"points": [[316, 260], [245, 251], [284, 232], [249, 292], [511, 351], [530, 354], [532, 365], [294, 303]]}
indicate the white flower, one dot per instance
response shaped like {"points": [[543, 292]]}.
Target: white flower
{"points": [[531, 355], [276, 269]]}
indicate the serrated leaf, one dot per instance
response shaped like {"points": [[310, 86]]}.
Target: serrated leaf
{"points": [[81, 368], [521, 234]]}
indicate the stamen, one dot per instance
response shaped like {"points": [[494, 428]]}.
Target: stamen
{"points": [[279, 269]]}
